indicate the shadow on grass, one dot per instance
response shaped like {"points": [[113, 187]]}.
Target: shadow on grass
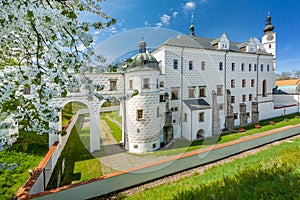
{"points": [[277, 182], [73, 152]]}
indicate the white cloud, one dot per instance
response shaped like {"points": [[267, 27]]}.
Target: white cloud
{"points": [[203, 1], [112, 29], [165, 19], [159, 24], [147, 23], [175, 13], [190, 5], [96, 32]]}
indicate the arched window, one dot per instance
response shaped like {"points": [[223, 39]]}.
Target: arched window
{"points": [[264, 88]]}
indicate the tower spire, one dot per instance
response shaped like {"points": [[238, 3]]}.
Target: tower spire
{"points": [[192, 28], [142, 46], [269, 26]]}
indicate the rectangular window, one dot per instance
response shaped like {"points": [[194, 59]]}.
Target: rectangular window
{"points": [[221, 106], [174, 109], [112, 85], [135, 146], [232, 66], [157, 85], [161, 84], [232, 99], [146, 83], [139, 114], [250, 67], [130, 84], [185, 117], [174, 93], [175, 64], [244, 83], [261, 67], [154, 146], [191, 92], [221, 66], [250, 97], [202, 91], [190, 65], [157, 111], [255, 67], [252, 83], [161, 98], [235, 115], [232, 83], [242, 67], [201, 117], [219, 90], [268, 67], [203, 65], [244, 98]]}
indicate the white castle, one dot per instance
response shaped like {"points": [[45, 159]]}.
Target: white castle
{"points": [[194, 87]]}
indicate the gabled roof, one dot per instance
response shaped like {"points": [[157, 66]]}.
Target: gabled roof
{"points": [[207, 43], [197, 104]]}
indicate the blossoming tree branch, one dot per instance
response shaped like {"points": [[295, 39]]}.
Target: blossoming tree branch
{"points": [[39, 53]]}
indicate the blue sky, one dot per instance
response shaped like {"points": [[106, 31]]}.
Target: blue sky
{"points": [[239, 19]]}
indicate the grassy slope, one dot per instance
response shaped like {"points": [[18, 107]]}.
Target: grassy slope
{"points": [[270, 174], [80, 165], [27, 152], [183, 146]]}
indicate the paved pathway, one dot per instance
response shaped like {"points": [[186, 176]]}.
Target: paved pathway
{"points": [[115, 158]]}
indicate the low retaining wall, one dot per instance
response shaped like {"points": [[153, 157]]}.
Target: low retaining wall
{"points": [[124, 179]]}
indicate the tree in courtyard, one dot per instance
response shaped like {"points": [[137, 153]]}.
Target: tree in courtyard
{"points": [[40, 57]]}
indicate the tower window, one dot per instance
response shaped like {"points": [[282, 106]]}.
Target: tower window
{"points": [[264, 88], [130, 84], [270, 46], [185, 117], [261, 67], [268, 68], [250, 67], [161, 84], [140, 114], [255, 67], [146, 83]]}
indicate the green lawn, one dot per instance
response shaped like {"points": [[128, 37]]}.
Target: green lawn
{"points": [[27, 152], [181, 146], [116, 131], [270, 174], [80, 165]]}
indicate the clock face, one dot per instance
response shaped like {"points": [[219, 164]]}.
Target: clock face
{"points": [[270, 37]]}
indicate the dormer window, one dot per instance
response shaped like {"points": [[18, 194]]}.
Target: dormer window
{"points": [[221, 43]]}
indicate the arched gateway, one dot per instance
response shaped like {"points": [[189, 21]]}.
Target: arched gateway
{"points": [[94, 111]]}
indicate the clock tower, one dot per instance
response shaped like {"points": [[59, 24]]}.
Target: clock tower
{"points": [[269, 39]]}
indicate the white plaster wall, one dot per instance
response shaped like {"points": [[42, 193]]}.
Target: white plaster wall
{"points": [[206, 125]]}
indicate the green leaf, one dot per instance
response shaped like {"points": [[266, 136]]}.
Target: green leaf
{"points": [[30, 14]]}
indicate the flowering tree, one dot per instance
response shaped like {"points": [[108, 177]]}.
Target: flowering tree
{"points": [[39, 56]]}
